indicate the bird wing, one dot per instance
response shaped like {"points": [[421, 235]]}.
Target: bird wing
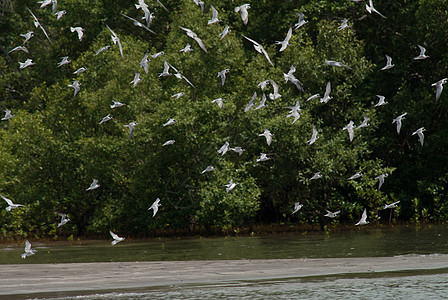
{"points": [[7, 200], [114, 236], [200, 43]]}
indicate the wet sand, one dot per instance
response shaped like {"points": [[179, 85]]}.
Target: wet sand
{"points": [[29, 279]]}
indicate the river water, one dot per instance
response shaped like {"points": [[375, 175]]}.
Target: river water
{"points": [[361, 242]]}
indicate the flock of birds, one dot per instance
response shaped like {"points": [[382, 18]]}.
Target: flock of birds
{"points": [[294, 110]]}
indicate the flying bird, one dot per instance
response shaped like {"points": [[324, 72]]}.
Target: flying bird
{"points": [[169, 142], [381, 101], [262, 102], [363, 220], [64, 61], [136, 79], [297, 207], [116, 40], [11, 205], [439, 87], [208, 169], [195, 37], [381, 180], [314, 137], [76, 86], [312, 97], [398, 120], [391, 205], [26, 63], [224, 148], [332, 214], [144, 63], [155, 207], [224, 32], [219, 101], [19, 48], [371, 9], [105, 119], [80, 70], [422, 54], [64, 219], [169, 122], [139, 24], [93, 185], [301, 21], [251, 102], [356, 176], [37, 24], [178, 95], [201, 4], [131, 127], [290, 77], [222, 74], [28, 250], [388, 63], [116, 238], [333, 63], [365, 123], [102, 49], [79, 31], [238, 150], [285, 42], [327, 96], [59, 14], [166, 69], [8, 115], [230, 186], [317, 175], [263, 157], [214, 18], [350, 129], [243, 11], [343, 25], [268, 135], [186, 49], [116, 104], [157, 54], [27, 36], [420, 134], [275, 94], [259, 49]]}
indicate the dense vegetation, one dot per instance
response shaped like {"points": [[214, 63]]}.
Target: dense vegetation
{"points": [[54, 145]]}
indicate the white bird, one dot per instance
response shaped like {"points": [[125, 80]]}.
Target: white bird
{"points": [[180, 76], [312, 97], [371, 9], [397, 120], [144, 63], [79, 31], [116, 104], [343, 25], [37, 24], [201, 4], [222, 74], [230, 186], [350, 129], [332, 214], [155, 207], [28, 250], [381, 101], [214, 18], [439, 87], [27, 36], [131, 127], [238, 150], [285, 42], [26, 63], [327, 96], [157, 54], [80, 70], [420, 134], [333, 63], [10, 203], [208, 169], [148, 17], [8, 115], [290, 77], [316, 175], [76, 86], [64, 219], [224, 148], [59, 14], [391, 205], [365, 123], [178, 95], [314, 137], [219, 101], [44, 3], [169, 122], [263, 157], [64, 61], [262, 102], [388, 63], [105, 119], [186, 49], [166, 69], [381, 180], [224, 32], [136, 79], [116, 40], [251, 102], [21, 48], [275, 94], [195, 37], [297, 207], [295, 114], [356, 176], [93, 185], [243, 11], [169, 142], [301, 21], [296, 107], [262, 85], [259, 49], [422, 54], [116, 238], [102, 49], [268, 135], [363, 220]]}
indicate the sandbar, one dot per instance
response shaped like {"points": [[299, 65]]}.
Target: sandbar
{"points": [[29, 279]]}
